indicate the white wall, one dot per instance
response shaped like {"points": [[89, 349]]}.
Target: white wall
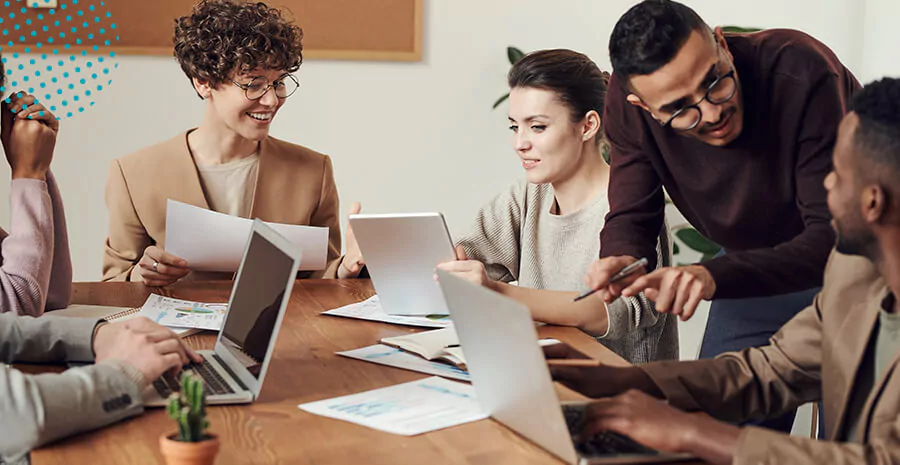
{"points": [[403, 136], [880, 53]]}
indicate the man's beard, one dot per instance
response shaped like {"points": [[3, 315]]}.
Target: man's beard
{"points": [[853, 244]]}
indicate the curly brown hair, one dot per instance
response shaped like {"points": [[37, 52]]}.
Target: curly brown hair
{"points": [[221, 37]]}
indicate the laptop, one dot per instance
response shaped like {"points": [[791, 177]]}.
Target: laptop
{"points": [[512, 382], [401, 253], [234, 370]]}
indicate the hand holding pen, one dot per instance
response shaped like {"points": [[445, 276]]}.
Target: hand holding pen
{"points": [[606, 272]]}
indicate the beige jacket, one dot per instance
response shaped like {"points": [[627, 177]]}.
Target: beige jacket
{"points": [[815, 356], [294, 185]]}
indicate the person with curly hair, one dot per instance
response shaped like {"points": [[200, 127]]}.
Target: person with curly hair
{"points": [[240, 58]]}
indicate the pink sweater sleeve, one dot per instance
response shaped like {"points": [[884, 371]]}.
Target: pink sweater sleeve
{"points": [[59, 294], [35, 254]]}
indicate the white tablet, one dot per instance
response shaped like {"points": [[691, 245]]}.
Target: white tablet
{"points": [[401, 252]]}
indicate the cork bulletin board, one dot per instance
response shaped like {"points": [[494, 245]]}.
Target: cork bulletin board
{"points": [[388, 30]]}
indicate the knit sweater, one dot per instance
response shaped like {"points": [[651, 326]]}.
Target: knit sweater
{"points": [[35, 267], [518, 239]]}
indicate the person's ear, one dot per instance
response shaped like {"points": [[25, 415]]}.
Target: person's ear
{"points": [[591, 127], [719, 37], [203, 89], [636, 101], [873, 203]]}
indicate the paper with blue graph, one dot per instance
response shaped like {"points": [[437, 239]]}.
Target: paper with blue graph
{"points": [[177, 313], [407, 409]]}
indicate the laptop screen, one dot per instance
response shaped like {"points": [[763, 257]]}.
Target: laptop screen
{"points": [[257, 298]]}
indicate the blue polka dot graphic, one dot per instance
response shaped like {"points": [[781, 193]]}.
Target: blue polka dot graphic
{"points": [[62, 54]]}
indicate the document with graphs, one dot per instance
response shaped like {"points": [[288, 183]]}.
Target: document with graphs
{"points": [[408, 409]]}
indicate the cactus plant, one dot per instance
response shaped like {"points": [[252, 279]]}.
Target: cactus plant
{"points": [[188, 409]]}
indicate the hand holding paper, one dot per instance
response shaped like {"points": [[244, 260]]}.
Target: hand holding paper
{"points": [[213, 241]]}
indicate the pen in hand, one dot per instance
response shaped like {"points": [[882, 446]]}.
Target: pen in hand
{"points": [[623, 273]]}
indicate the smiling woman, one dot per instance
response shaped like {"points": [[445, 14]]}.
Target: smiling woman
{"points": [[543, 232], [240, 58]]}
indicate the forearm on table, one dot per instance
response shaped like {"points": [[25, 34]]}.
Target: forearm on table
{"points": [[558, 307]]}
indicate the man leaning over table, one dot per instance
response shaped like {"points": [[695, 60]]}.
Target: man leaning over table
{"points": [[842, 350], [738, 129]]}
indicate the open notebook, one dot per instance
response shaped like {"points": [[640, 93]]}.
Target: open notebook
{"points": [[441, 345]]}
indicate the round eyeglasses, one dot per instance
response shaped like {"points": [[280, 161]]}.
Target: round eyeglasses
{"points": [[720, 91], [284, 86]]}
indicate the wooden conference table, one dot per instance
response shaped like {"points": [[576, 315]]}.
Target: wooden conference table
{"points": [[304, 369]]}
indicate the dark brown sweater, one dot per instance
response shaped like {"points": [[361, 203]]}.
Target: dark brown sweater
{"points": [[761, 197]]}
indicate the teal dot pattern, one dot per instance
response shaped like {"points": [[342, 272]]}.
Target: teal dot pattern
{"points": [[63, 72]]}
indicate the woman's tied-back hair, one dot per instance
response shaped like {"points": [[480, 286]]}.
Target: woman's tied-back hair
{"points": [[575, 79]]}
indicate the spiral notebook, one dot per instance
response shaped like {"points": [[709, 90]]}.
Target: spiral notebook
{"points": [[109, 313]]}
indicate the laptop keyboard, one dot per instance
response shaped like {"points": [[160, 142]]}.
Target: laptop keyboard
{"points": [[168, 383], [603, 443]]}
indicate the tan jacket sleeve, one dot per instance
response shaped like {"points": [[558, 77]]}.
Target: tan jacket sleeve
{"points": [[762, 446], [127, 237], [328, 215], [754, 383]]}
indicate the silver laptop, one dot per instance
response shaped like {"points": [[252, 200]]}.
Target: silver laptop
{"points": [[512, 382], [233, 372], [401, 252]]}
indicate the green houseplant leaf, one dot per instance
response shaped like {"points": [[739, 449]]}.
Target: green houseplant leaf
{"points": [[740, 29], [500, 100], [696, 241], [514, 54]]}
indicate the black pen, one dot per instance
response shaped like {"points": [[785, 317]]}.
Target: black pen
{"points": [[625, 272]]}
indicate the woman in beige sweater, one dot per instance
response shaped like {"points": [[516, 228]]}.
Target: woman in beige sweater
{"points": [[544, 233]]}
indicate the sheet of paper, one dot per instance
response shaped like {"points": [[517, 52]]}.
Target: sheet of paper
{"points": [[177, 313], [408, 409], [370, 309], [390, 356], [213, 241]]}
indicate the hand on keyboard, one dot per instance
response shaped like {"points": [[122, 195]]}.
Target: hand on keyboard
{"points": [[150, 348], [213, 382], [651, 424]]}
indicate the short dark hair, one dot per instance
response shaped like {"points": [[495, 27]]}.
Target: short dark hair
{"points": [[221, 37], [573, 77], [878, 135], [649, 35]]}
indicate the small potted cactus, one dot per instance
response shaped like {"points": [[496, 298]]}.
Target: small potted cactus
{"points": [[191, 445]]}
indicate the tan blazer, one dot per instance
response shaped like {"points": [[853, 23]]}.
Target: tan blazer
{"points": [[294, 185], [815, 356]]}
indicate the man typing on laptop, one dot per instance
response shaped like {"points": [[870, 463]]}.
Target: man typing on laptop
{"points": [[37, 409], [841, 350]]}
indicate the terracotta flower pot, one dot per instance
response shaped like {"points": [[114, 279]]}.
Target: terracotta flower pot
{"points": [[188, 453]]}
